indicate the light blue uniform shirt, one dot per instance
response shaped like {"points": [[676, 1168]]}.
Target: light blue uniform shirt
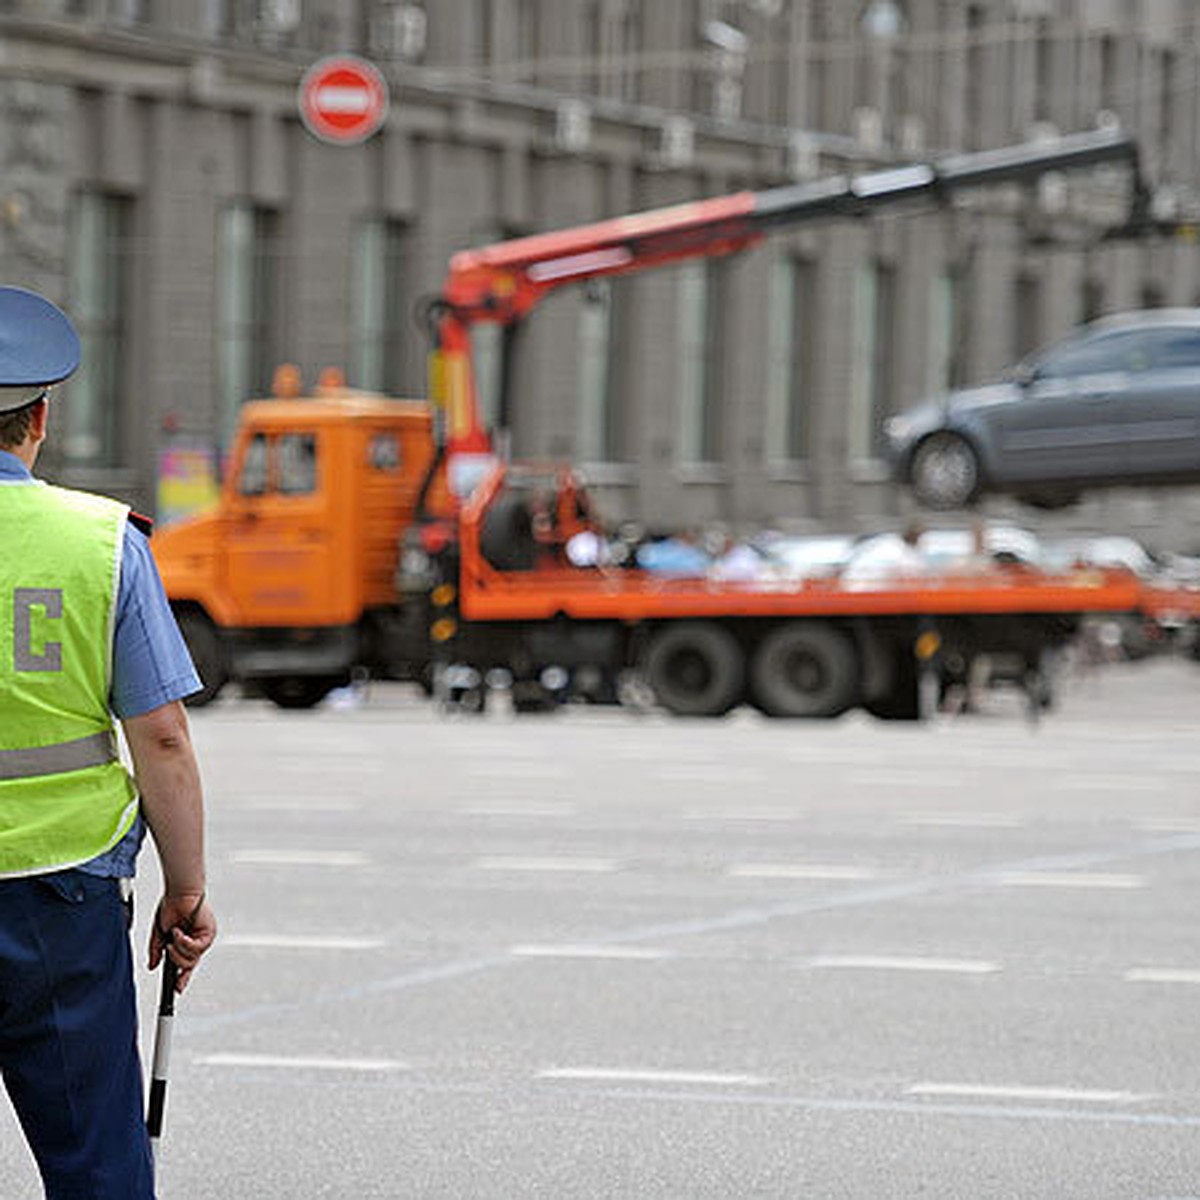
{"points": [[151, 664]]}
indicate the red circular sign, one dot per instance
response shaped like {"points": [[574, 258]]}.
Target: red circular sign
{"points": [[343, 99]]}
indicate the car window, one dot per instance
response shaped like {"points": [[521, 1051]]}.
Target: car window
{"points": [[297, 464], [253, 478], [1125, 350], [1177, 348]]}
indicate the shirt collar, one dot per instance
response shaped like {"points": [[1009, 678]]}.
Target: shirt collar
{"points": [[11, 467]]}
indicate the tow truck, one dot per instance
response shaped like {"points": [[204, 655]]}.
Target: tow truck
{"points": [[361, 535]]}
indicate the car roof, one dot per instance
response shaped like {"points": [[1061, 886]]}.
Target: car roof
{"points": [[1145, 318]]}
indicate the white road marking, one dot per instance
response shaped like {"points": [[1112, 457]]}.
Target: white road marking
{"points": [[520, 810], [996, 1091], [1162, 975], [699, 773], [631, 953], [295, 804], [300, 858], [963, 820], [618, 1075], [287, 941], [1169, 825], [932, 778], [753, 870], [496, 862], [300, 1062], [1069, 879], [887, 962], [528, 769], [1109, 782], [741, 814]]}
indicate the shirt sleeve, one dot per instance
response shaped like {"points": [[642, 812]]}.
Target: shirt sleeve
{"points": [[151, 663]]}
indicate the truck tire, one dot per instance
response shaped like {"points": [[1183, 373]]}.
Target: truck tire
{"points": [[298, 691], [506, 537], [695, 669], [204, 645], [804, 669]]}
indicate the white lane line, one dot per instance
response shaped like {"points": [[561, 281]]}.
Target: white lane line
{"points": [[932, 778], [890, 962], [496, 862], [1069, 879], [292, 804], [300, 1062], [752, 870], [740, 814], [1110, 782], [1169, 825], [618, 1075], [699, 773], [300, 858], [995, 1091], [630, 953], [530, 769], [300, 941], [1162, 975], [520, 810], [951, 820]]}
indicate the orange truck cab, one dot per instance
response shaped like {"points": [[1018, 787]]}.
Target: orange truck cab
{"points": [[290, 581]]}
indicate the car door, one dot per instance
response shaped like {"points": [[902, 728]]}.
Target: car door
{"points": [[279, 554], [1065, 425], [1160, 414]]}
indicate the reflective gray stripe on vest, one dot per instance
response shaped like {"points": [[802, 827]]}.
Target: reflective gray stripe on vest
{"points": [[92, 751]]}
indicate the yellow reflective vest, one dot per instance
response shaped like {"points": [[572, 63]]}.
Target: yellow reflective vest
{"points": [[65, 797]]}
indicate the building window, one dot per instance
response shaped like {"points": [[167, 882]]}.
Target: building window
{"points": [[399, 29], [1043, 71], [945, 342], [699, 350], [870, 396], [595, 441], [100, 271], [245, 310], [1027, 323], [791, 338], [377, 304]]}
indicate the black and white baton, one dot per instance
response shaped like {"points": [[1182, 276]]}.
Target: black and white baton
{"points": [[162, 1052]]}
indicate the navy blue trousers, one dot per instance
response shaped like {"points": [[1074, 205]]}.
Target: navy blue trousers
{"points": [[68, 1035]]}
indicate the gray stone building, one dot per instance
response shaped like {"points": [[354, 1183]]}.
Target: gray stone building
{"points": [[158, 181]]}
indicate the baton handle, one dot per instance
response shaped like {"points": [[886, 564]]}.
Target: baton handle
{"points": [[162, 1049]]}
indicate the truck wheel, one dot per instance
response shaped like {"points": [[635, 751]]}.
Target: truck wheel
{"points": [[506, 537], [804, 670], [695, 669], [298, 691], [207, 654]]}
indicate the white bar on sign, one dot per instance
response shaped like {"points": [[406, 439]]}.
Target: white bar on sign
{"points": [[1004, 1092], [349, 100]]}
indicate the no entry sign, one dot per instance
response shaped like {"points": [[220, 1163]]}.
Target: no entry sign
{"points": [[343, 99]]}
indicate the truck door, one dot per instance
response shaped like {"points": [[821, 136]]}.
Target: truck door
{"points": [[279, 549]]}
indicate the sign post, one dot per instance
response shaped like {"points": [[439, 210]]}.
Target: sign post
{"points": [[343, 99]]}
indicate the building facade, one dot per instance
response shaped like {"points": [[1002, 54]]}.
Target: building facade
{"points": [[159, 183]]}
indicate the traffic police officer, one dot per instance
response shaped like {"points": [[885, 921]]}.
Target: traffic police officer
{"points": [[86, 637]]}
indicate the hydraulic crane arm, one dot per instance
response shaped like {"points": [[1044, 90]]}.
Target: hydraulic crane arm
{"points": [[502, 283]]}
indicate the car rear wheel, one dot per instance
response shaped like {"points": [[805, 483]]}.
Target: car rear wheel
{"points": [[804, 669], [695, 669], [945, 472]]}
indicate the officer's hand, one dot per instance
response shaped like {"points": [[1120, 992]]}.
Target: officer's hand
{"points": [[184, 927]]}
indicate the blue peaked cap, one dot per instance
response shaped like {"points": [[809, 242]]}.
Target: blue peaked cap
{"points": [[38, 343]]}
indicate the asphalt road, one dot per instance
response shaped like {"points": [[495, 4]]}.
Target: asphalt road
{"points": [[595, 955]]}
